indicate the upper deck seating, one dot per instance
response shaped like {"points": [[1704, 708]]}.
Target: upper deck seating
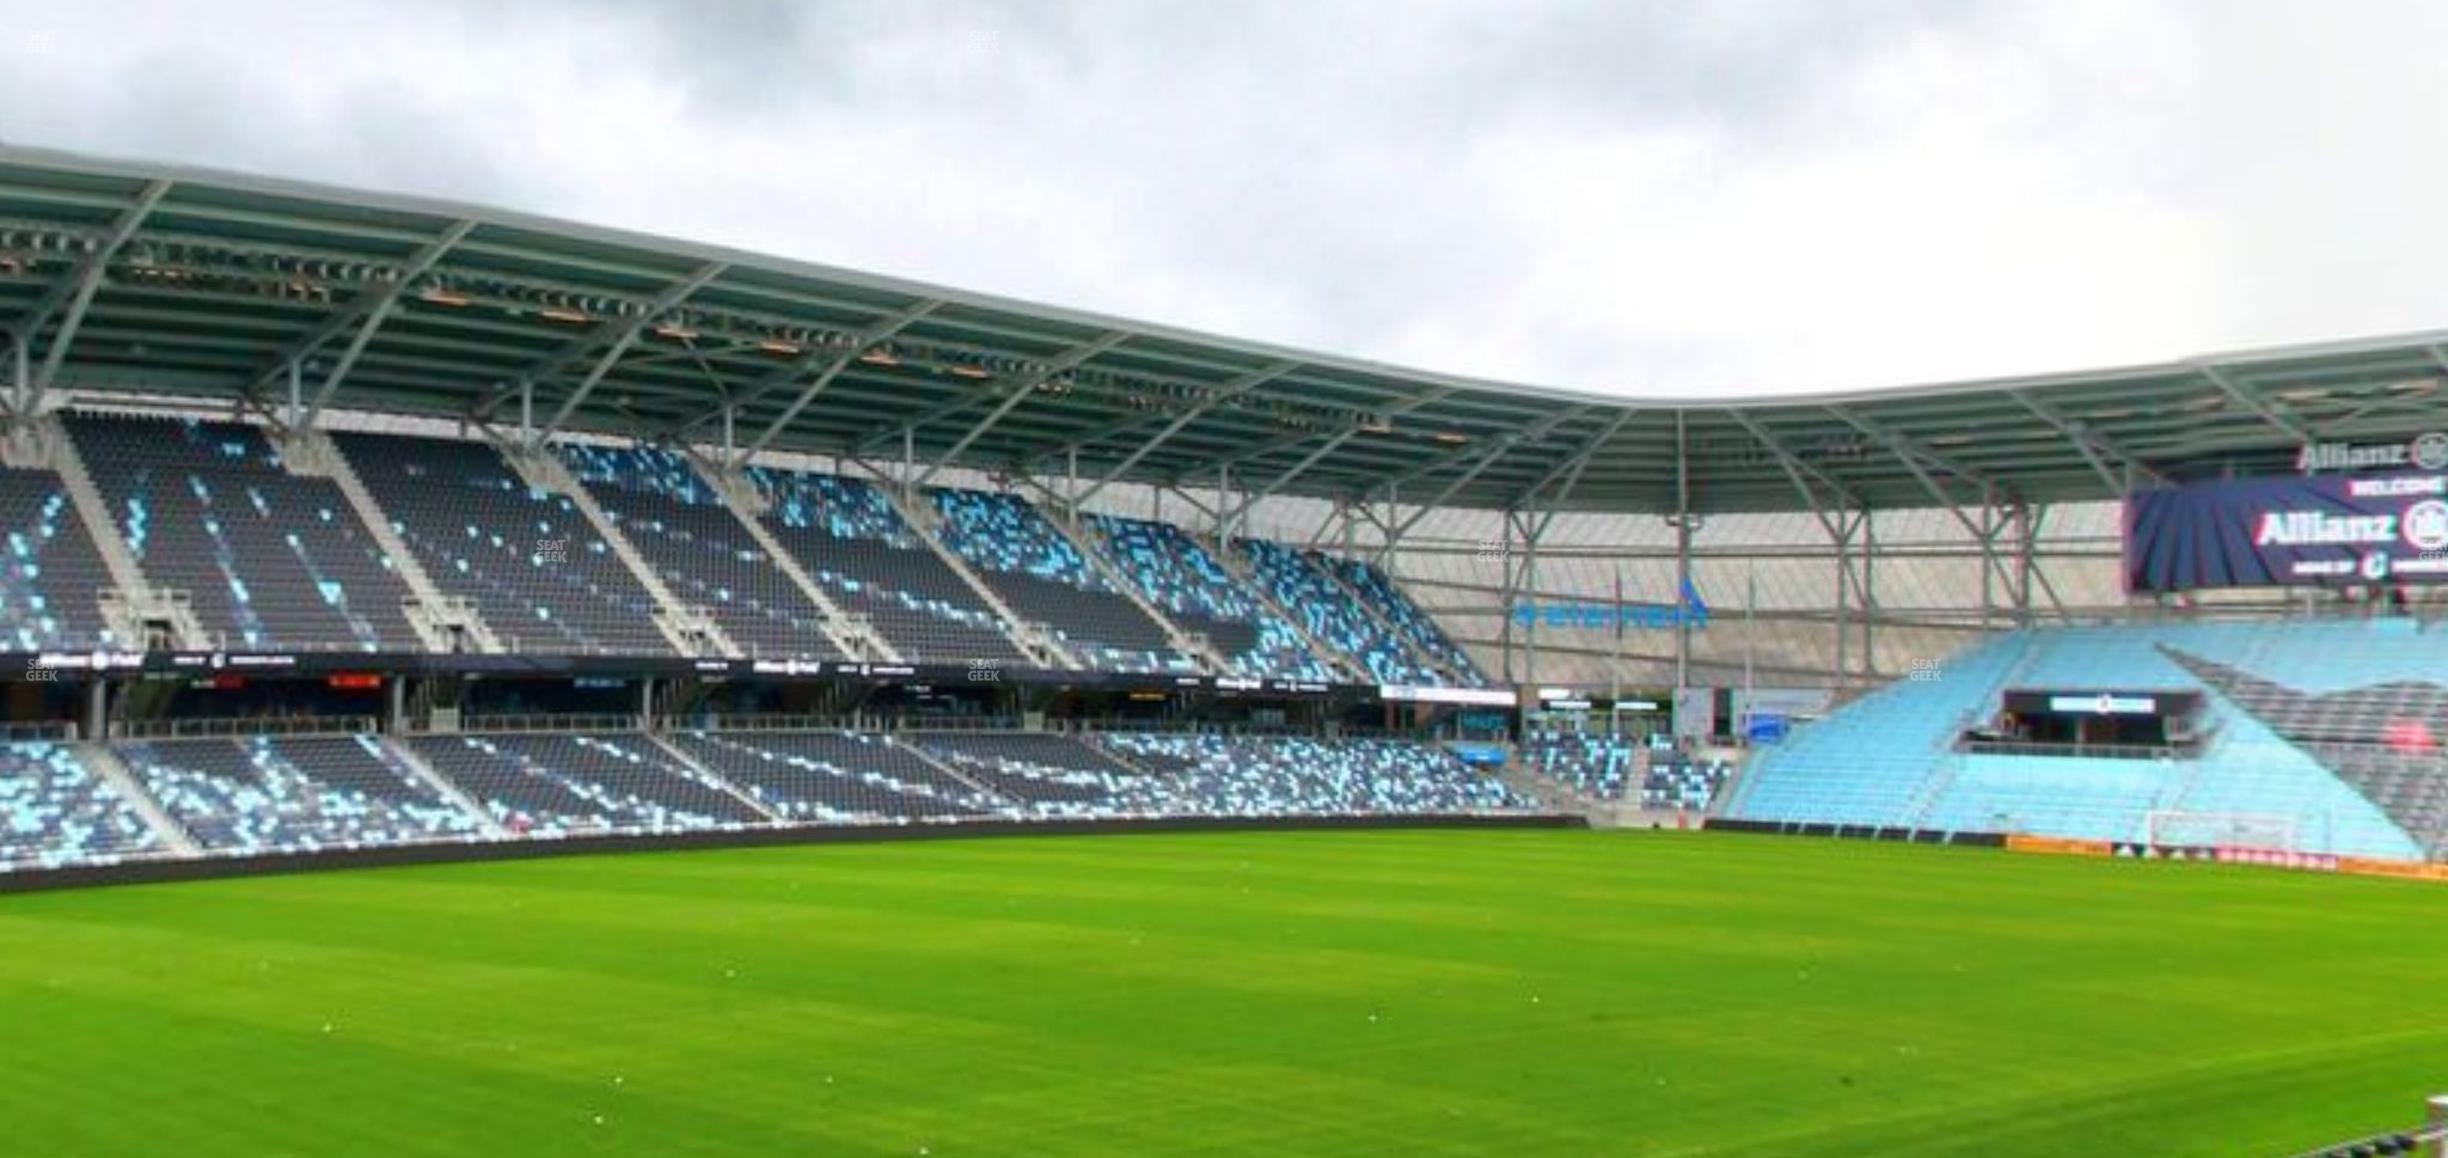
{"points": [[268, 559], [1178, 575], [1327, 609], [1036, 571], [52, 577], [847, 536], [682, 526], [528, 560], [1417, 627]]}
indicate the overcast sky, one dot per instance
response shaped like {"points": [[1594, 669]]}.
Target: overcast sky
{"points": [[1641, 198]]}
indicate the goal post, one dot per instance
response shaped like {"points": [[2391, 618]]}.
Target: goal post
{"points": [[2176, 828]]}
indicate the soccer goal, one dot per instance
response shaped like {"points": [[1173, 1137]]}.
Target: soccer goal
{"points": [[2168, 828]]}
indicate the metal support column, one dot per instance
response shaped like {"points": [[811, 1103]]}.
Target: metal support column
{"points": [[2026, 532], [1844, 583], [1869, 587], [1530, 579], [1507, 597], [1682, 620], [1683, 544], [97, 709]]}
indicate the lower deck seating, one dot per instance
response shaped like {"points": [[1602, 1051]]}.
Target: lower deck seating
{"points": [[1684, 783], [835, 777], [295, 794], [561, 785], [2288, 709], [307, 794], [55, 812], [1596, 766], [1267, 776], [1040, 774]]}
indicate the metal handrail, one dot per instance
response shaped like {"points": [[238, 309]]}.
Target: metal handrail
{"points": [[540, 722], [235, 726]]}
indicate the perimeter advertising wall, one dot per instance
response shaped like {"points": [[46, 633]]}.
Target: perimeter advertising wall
{"points": [[2285, 532]]}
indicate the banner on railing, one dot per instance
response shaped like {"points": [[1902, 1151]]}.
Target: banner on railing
{"points": [[2289, 531]]}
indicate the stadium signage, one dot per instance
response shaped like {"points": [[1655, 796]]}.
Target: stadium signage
{"points": [[1619, 616], [2288, 531], [2104, 705], [1401, 694], [2424, 452], [88, 661]]}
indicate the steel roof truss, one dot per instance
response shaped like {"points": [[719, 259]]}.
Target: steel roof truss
{"points": [[1224, 393], [1020, 389], [84, 283], [622, 334]]}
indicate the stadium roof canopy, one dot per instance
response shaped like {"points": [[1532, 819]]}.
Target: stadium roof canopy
{"points": [[161, 280]]}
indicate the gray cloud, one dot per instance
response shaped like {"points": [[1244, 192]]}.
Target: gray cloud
{"points": [[1642, 196]]}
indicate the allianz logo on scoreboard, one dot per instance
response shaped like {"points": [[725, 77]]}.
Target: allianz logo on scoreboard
{"points": [[2422, 452]]}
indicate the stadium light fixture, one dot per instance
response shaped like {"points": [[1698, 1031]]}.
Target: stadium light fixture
{"points": [[970, 371], [1451, 436], [558, 314], [879, 358], [442, 297], [776, 346], [676, 333]]}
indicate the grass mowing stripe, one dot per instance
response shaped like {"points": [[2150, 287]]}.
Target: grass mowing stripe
{"points": [[1289, 993]]}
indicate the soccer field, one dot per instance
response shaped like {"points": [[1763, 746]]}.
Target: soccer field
{"points": [[1378, 993]]}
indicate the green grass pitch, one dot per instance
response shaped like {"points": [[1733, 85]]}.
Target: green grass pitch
{"points": [[1365, 993]]}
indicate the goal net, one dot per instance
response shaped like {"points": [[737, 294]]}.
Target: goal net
{"points": [[2246, 830]]}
